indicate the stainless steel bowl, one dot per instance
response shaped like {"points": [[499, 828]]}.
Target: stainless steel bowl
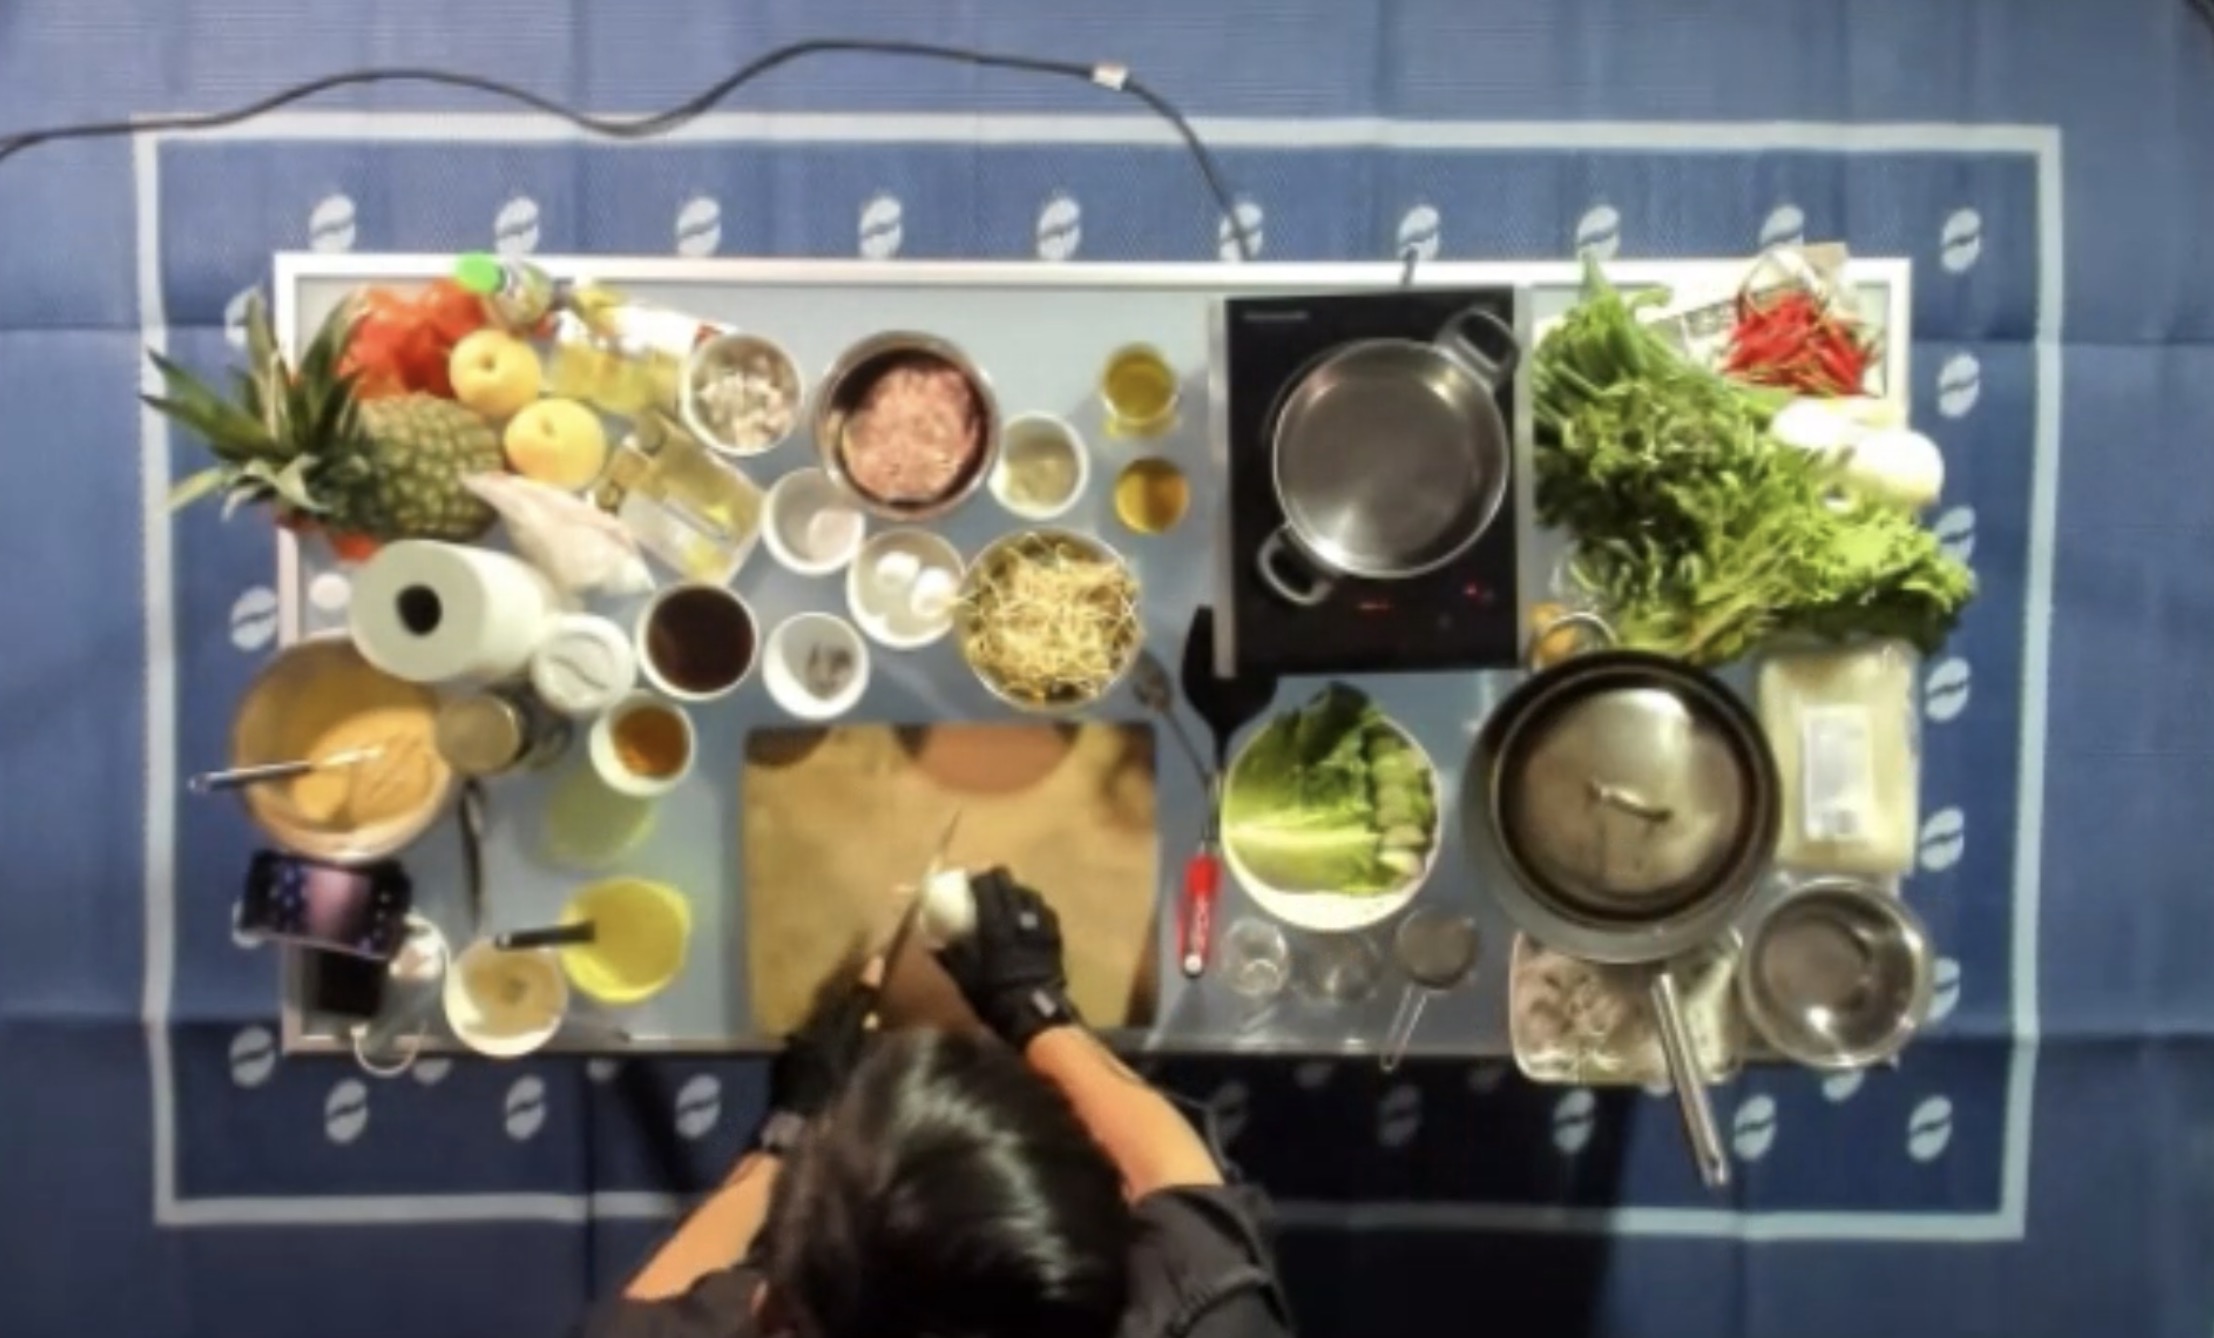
{"points": [[849, 379], [963, 615], [1836, 975]]}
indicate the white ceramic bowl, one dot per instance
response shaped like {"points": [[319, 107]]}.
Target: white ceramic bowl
{"points": [[795, 502], [1040, 434], [707, 358], [606, 759], [784, 668], [1334, 912], [882, 602], [477, 1022]]}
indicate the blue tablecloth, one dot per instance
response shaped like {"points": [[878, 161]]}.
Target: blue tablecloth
{"points": [[2043, 1162]]}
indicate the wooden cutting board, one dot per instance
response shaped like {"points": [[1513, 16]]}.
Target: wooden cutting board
{"points": [[839, 823]]}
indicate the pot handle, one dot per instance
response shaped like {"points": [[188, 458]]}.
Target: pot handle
{"points": [[1689, 1081], [1281, 565], [1599, 627], [1493, 367]]}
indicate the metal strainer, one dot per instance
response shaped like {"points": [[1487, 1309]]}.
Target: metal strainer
{"points": [[1437, 949]]}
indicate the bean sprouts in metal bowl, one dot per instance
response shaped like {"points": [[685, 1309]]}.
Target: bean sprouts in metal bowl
{"points": [[1048, 619]]}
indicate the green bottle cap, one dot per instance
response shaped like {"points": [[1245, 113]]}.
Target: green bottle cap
{"points": [[480, 273]]}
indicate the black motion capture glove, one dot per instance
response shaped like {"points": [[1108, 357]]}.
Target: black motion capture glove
{"points": [[1010, 969], [817, 1058]]}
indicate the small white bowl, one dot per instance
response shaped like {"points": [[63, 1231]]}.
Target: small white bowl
{"points": [[881, 584], [477, 1022], [808, 498], [793, 643], [1038, 434], [606, 758], [719, 352]]}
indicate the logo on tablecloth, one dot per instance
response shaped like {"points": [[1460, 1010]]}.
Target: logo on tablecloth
{"points": [[1399, 1116], [1786, 225], [699, 1105], [1753, 1128], [1955, 529], [1839, 1087], [1960, 242], [1944, 839], [1252, 221], [1959, 385], [1574, 1117], [1418, 233], [601, 1070], [1231, 1105], [1314, 1075], [254, 618], [253, 1056], [515, 227], [1060, 227], [1599, 232], [526, 1107], [1929, 1129], [699, 226], [331, 224], [1945, 690], [346, 1111], [431, 1070], [881, 229], [1944, 989]]}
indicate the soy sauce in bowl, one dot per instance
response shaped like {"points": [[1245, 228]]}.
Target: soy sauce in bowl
{"points": [[697, 641]]}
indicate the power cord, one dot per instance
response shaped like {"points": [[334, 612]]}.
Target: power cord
{"points": [[1114, 78]]}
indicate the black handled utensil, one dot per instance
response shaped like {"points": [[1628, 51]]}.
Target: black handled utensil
{"points": [[552, 936], [1226, 704]]}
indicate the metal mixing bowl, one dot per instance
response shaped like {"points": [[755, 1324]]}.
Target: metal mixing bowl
{"points": [[847, 383], [963, 615], [1836, 975]]}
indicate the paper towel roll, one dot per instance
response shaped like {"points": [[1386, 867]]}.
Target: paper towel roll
{"points": [[441, 613]]}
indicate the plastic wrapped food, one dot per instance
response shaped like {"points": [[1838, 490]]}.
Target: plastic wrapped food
{"points": [[574, 544]]}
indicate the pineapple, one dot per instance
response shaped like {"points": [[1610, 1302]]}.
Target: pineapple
{"points": [[300, 441]]}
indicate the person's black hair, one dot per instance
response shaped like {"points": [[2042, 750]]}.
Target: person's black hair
{"points": [[949, 1192]]}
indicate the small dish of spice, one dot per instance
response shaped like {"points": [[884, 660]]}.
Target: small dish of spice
{"points": [[644, 747], [816, 666], [1042, 467], [741, 394]]}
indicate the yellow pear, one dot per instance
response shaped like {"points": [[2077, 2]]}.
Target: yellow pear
{"points": [[494, 373], [557, 442]]}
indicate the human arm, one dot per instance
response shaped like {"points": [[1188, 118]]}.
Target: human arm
{"points": [[805, 1078], [1010, 971]]}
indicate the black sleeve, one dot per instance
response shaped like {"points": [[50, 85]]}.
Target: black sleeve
{"points": [[1202, 1267], [719, 1305]]}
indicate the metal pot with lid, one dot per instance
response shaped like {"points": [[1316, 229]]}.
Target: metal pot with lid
{"points": [[1628, 805], [1391, 457]]}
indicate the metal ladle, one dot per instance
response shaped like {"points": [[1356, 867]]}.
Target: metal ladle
{"points": [[208, 782], [1437, 949]]}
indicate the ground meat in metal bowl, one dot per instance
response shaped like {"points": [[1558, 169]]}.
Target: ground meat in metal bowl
{"points": [[915, 433]]}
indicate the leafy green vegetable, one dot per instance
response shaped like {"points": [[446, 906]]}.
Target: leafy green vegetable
{"points": [[1331, 798], [1699, 534]]}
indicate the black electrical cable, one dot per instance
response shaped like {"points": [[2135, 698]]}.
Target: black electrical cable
{"points": [[1111, 77]]}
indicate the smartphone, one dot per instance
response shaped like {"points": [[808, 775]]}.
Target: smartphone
{"points": [[359, 911]]}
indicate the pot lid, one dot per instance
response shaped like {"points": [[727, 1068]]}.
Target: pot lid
{"points": [[1631, 799]]}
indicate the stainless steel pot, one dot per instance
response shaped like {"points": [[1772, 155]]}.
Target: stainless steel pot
{"points": [[1621, 807], [846, 385], [1391, 458]]}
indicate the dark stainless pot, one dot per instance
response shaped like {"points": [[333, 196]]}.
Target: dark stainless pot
{"points": [[1391, 458], [1621, 806]]}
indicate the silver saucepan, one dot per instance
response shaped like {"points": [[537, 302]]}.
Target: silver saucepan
{"points": [[1391, 457], [1621, 806]]}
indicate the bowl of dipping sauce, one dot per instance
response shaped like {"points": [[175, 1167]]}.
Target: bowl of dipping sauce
{"points": [[644, 747], [1042, 467], [696, 641], [319, 697], [1151, 496]]}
